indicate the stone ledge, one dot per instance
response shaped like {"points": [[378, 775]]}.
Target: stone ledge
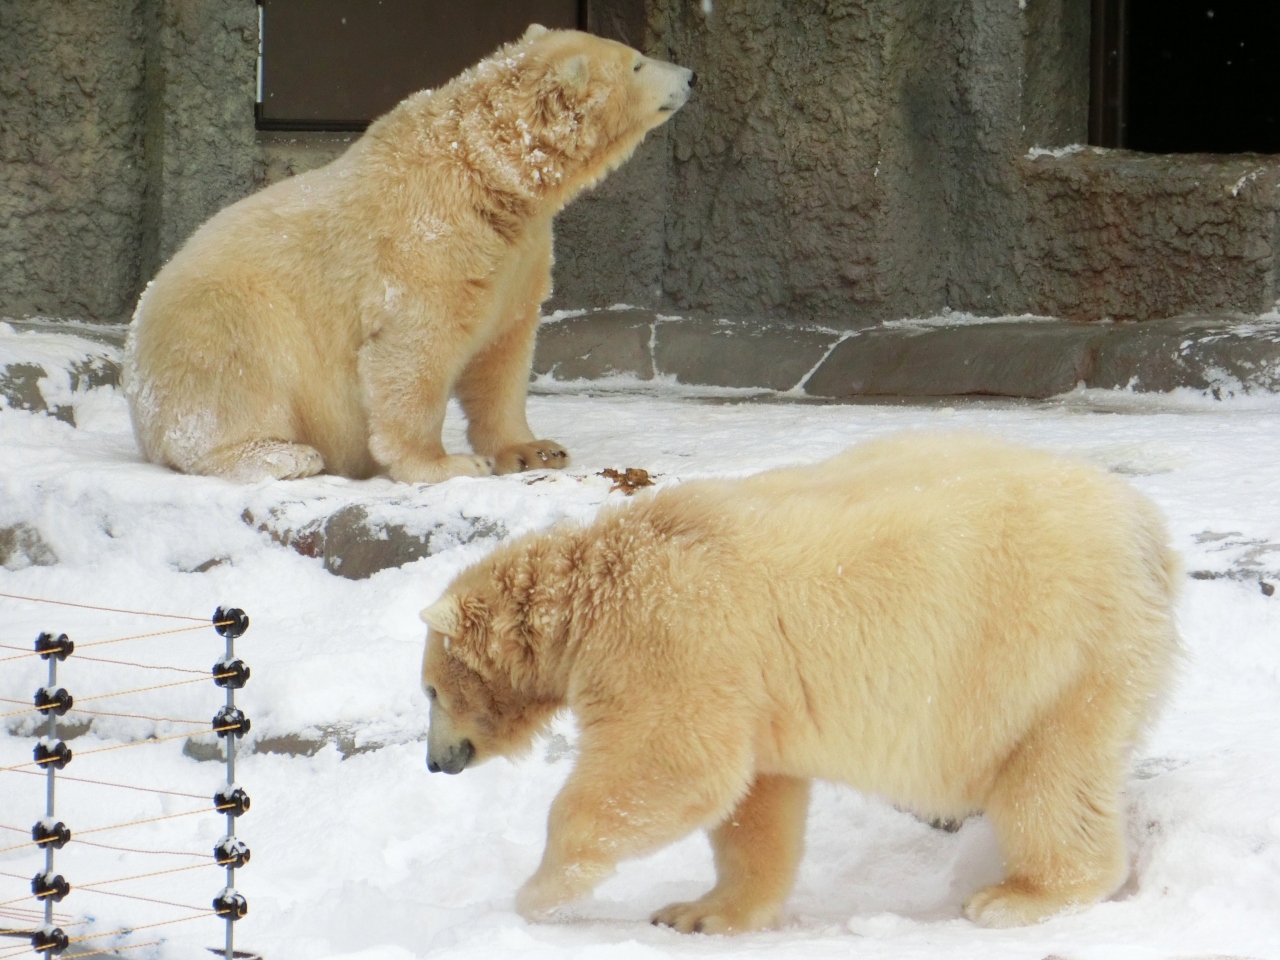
{"points": [[944, 357], [1022, 357]]}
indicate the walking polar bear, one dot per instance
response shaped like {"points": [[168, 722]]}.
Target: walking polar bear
{"points": [[950, 622], [324, 322]]}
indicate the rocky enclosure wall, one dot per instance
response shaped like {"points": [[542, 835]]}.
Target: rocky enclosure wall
{"points": [[71, 174], [841, 162]]}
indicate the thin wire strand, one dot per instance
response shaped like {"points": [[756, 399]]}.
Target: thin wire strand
{"points": [[136, 823], [157, 686], [108, 713], [122, 786], [145, 926], [31, 911], [140, 876], [133, 896], [116, 951], [117, 746], [86, 606], [151, 740], [8, 905], [166, 853], [133, 636], [156, 633], [141, 666], [136, 716]]}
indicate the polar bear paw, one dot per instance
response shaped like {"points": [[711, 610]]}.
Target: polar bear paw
{"points": [[537, 455], [713, 915], [257, 460], [1011, 904], [441, 469]]}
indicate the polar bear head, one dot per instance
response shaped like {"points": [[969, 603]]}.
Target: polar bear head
{"points": [[556, 111], [488, 669]]}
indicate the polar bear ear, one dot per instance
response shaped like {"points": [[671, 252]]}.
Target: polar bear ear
{"points": [[444, 616], [575, 73], [534, 32]]}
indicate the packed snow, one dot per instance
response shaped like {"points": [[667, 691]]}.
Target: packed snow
{"points": [[359, 852]]}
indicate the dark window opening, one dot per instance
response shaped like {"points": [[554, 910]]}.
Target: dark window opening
{"points": [[1186, 76], [340, 64]]}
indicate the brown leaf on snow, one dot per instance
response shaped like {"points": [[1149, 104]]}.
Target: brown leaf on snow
{"points": [[628, 481]]}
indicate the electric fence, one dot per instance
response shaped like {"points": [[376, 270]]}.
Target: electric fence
{"points": [[51, 933]]}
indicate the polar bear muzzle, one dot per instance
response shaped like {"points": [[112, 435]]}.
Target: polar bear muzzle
{"points": [[451, 759]]}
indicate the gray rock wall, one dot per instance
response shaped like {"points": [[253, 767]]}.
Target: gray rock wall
{"points": [[1133, 237], [71, 175], [841, 162], [201, 150], [848, 161]]}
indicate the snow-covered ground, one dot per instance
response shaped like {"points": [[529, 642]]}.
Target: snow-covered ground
{"points": [[372, 857]]}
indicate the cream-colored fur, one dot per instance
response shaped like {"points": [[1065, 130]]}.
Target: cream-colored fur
{"points": [[950, 622], [324, 322]]}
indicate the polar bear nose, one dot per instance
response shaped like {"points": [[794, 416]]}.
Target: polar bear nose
{"points": [[455, 759], [693, 79]]}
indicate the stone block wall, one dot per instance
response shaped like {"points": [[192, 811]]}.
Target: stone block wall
{"points": [[1139, 237], [842, 162]]}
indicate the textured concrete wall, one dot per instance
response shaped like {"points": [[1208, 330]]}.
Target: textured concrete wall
{"points": [[201, 149], [1133, 237], [123, 125], [71, 176], [841, 161], [845, 161]]}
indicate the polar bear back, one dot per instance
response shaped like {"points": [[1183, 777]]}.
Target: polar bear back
{"points": [[901, 616]]}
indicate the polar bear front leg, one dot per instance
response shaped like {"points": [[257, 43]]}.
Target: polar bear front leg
{"points": [[493, 389], [626, 797], [757, 850], [406, 380]]}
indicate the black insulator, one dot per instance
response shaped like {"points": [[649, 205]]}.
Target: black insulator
{"points": [[53, 701], [231, 800], [231, 852], [231, 622], [230, 673], [56, 835], [49, 940], [47, 645], [57, 756], [52, 888], [230, 904], [230, 720]]}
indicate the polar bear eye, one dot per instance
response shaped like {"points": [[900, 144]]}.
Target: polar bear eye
{"points": [[637, 67]]}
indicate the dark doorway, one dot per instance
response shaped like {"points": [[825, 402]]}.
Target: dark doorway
{"points": [[1186, 76], [339, 64]]}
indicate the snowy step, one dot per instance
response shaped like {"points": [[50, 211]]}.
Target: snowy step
{"points": [[356, 545], [45, 365]]}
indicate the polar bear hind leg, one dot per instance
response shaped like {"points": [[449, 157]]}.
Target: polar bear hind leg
{"points": [[255, 460], [1055, 809]]}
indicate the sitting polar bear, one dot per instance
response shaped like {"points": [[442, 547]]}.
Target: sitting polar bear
{"points": [[324, 322], [950, 622]]}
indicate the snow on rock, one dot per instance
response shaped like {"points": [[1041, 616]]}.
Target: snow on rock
{"points": [[358, 852]]}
